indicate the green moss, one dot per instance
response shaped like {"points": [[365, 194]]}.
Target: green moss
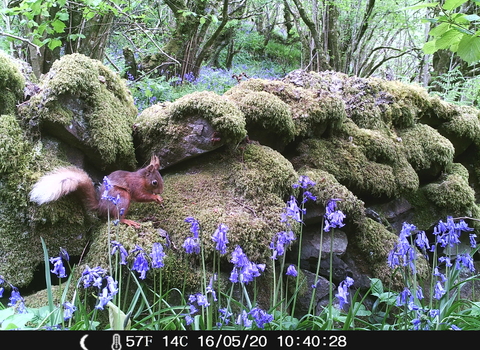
{"points": [[452, 192], [74, 94], [266, 111], [352, 168], [11, 85], [462, 129], [426, 149], [223, 115], [312, 111], [13, 146]]}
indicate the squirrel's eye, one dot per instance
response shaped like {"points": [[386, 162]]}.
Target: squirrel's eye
{"points": [[155, 183]]}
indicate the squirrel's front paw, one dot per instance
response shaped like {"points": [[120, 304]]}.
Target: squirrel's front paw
{"points": [[158, 199]]}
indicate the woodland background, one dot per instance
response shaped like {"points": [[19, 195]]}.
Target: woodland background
{"points": [[167, 48]]}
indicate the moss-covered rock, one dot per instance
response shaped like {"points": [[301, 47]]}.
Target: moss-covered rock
{"points": [[268, 118], [61, 224], [427, 150], [89, 107], [192, 125], [313, 111], [11, 85]]}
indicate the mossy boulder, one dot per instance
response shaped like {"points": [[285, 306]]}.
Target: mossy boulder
{"points": [[192, 125], [244, 190], [313, 112], [85, 104], [12, 84], [22, 224]]}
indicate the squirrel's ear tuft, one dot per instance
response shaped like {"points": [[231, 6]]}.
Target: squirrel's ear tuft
{"points": [[155, 162]]}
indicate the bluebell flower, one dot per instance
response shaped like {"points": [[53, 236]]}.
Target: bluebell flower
{"points": [[473, 241], [403, 254], [107, 187], [343, 291], [279, 243], [140, 264], [111, 285], [224, 316], [58, 267], [220, 237], [103, 299], [455, 328], [439, 290], [447, 233], [244, 270], [93, 276], [1, 291], [404, 297], [446, 260], [437, 273], [422, 241], [191, 245], [293, 211], [17, 301], [304, 182], [333, 217], [64, 254], [243, 319], [209, 289], [465, 260], [261, 317], [68, 310], [117, 246], [194, 226], [291, 271], [157, 255]]}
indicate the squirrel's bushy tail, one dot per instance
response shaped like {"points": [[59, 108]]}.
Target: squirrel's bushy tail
{"points": [[61, 182]]}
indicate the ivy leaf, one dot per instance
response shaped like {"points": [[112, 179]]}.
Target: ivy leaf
{"points": [[469, 49]]}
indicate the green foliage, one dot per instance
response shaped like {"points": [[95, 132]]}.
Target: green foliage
{"points": [[454, 87], [454, 31]]}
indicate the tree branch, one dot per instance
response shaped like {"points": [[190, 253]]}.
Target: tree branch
{"points": [[37, 48]]}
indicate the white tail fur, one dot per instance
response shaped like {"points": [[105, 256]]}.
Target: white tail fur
{"points": [[56, 184]]}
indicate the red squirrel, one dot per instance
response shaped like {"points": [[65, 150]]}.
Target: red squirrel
{"points": [[115, 194]]}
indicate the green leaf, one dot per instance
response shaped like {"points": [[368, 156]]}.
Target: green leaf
{"points": [[469, 49], [58, 26], [429, 47], [449, 38], [376, 286], [452, 4], [440, 29]]}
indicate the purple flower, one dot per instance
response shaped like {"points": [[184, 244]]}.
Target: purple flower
{"points": [[404, 297], [68, 310], [473, 241], [140, 264], [210, 289], [465, 260], [439, 290], [422, 241], [194, 226], [121, 249], [224, 316], [403, 254], [260, 317], [293, 211], [157, 255], [220, 237], [93, 277], [291, 271], [343, 291], [282, 239], [192, 245], [58, 267], [17, 301], [244, 271], [242, 319], [304, 182], [333, 218], [103, 299]]}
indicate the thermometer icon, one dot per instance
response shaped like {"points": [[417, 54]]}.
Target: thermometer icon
{"points": [[116, 342]]}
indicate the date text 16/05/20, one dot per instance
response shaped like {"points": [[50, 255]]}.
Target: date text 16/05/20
{"points": [[246, 340]]}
